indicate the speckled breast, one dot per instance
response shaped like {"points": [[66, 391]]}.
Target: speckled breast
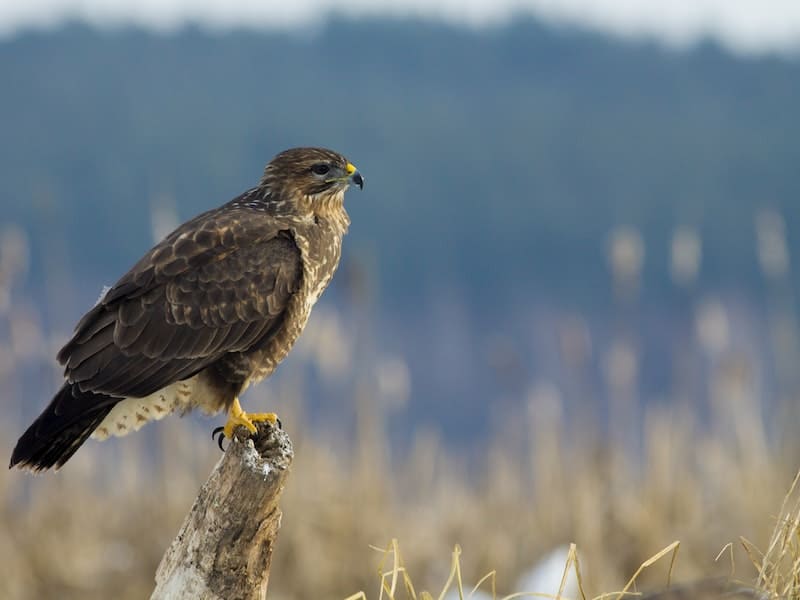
{"points": [[320, 249]]}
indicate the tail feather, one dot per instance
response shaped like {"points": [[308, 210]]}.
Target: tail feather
{"points": [[59, 431]]}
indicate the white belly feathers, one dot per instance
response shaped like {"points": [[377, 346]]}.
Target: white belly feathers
{"points": [[132, 413]]}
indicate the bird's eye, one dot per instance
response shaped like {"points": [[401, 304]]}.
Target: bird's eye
{"points": [[320, 169]]}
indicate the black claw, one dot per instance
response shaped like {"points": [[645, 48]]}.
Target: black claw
{"points": [[280, 425], [219, 431]]}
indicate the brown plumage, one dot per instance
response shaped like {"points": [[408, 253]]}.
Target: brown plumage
{"points": [[214, 307]]}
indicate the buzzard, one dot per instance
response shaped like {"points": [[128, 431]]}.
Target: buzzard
{"points": [[214, 307]]}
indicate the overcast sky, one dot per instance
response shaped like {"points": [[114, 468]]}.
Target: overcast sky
{"points": [[746, 26]]}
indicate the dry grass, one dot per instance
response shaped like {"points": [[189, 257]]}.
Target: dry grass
{"points": [[779, 567], [98, 529], [396, 581], [776, 572]]}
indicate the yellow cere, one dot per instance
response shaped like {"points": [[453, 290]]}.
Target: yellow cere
{"points": [[351, 168]]}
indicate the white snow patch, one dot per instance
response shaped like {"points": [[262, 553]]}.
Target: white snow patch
{"points": [[545, 576]]}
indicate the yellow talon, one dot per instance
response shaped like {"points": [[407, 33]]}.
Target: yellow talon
{"points": [[237, 417]]}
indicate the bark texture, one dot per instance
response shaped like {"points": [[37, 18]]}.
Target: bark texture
{"points": [[224, 548]]}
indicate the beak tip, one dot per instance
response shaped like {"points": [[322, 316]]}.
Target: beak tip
{"points": [[358, 180]]}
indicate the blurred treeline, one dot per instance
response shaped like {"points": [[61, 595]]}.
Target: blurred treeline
{"points": [[496, 158], [530, 190]]}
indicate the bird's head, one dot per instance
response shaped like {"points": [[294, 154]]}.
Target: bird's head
{"points": [[316, 174]]}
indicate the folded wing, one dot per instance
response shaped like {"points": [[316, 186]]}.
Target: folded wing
{"points": [[221, 283]]}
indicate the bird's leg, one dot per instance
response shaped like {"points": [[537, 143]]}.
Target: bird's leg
{"points": [[237, 416]]}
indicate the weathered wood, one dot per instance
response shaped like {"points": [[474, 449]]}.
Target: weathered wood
{"points": [[224, 548]]}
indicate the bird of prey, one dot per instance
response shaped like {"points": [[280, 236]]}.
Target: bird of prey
{"points": [[214, 307]]}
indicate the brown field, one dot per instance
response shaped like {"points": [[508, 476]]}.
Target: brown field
{"points": [[661, 474], [98, 528]]}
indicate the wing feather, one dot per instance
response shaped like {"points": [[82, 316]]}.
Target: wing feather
{"points": [[218, 284], [118, 367], [92, 328], [156, 346], [91, 347], [126, 334], [155, 376], [89, 368]]}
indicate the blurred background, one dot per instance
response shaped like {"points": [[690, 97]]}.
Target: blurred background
{"points": [[566, 310]]}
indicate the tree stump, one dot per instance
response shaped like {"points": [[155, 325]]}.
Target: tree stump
{"points": [[224, 547]]}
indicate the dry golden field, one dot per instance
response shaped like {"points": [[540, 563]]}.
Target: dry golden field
{"points": [[706, 475], [98, 528]]}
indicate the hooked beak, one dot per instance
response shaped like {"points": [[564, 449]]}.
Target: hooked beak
{"points": [[354, 177]]}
